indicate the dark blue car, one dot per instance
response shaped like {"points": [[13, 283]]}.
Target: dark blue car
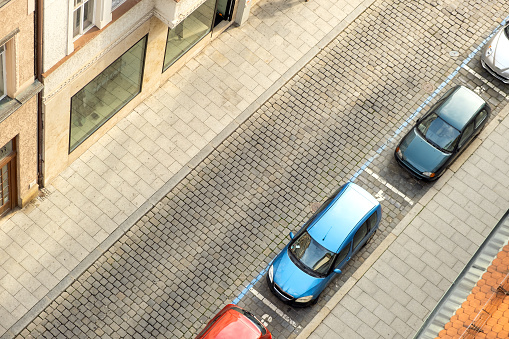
{"points": [[326, 242], [443, 133]]}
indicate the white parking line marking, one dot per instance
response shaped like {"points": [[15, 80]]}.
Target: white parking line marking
{"points": [[389, 186], [480, 77], [266, 319], [274, 308]]}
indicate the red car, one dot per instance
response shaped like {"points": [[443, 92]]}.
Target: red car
{"points": [[234, 323]]}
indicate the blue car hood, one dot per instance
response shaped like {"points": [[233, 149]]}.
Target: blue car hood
{"points": [[293, 280], [420, 154]]}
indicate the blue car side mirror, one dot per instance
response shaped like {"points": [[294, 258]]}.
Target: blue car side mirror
{"points": [[291, 235], [337, 271]]}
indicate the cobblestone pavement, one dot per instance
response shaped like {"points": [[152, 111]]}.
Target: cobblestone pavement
{"points": [[218, 228], [47, 244]]}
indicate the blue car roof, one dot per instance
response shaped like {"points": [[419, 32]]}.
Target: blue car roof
{"points": [[460, 107], [335, 223]]}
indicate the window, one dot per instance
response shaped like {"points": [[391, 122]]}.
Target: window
{"points": [[438, 132], [106, 94], [467, 133], [480, 117], [372, 221], [116, 4], [83, 16], [361, 233], [3, 2], [3, 85], [342, 255], [188, 32], [312, 254]]}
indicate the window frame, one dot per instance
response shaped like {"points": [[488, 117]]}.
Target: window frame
{"points": [[82, 30], [4, 71]]}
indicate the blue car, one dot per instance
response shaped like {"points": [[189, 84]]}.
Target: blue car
{"points": [[442, 134], [326, 242]]}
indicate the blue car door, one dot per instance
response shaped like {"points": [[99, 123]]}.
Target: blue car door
{"points": [[342, 258]]}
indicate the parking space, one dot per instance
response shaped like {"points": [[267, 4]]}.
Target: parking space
{"points": [[213, 234]]}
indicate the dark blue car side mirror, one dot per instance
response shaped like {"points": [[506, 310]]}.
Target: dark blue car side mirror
{"points": [[292, 235], [337, 271]]}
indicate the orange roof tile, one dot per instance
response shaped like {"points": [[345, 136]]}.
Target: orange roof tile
{"points": [[484, 307]]}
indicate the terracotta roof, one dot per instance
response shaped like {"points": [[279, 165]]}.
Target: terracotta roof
{"points": [[485, 313]]}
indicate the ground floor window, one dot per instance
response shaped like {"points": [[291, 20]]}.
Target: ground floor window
{"points": [[106, 94], [187, 33]]}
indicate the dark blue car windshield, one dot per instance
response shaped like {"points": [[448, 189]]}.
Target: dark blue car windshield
{"points": [[312, 254], [438, 132]]}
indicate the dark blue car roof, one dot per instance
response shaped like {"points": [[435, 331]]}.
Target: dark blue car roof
{"points": [[337, 222], [460, 107]]}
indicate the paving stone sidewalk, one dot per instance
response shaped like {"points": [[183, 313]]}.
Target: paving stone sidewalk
{"points": [[393, 292], [44, 246]]}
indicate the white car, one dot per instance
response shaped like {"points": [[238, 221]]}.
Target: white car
{"points": [[495, 55]]}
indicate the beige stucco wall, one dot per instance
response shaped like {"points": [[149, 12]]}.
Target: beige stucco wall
{"points": [[55, 28], [57, 109], [22, 123]]}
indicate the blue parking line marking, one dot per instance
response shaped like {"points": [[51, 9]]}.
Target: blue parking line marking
{"points": [[252, 283], [398, 131]]}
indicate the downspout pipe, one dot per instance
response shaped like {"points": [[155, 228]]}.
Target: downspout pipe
{"points": [[39, 20]]}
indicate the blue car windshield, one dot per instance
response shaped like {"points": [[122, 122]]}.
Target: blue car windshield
{"points": [[312, 254], [438, 132]]}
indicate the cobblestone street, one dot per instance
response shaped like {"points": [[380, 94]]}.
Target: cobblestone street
{"points": [[219, 227]]}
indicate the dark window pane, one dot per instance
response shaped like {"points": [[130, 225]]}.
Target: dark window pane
{"points": [[77, 20], [361, 233], [104, 96], [372, 221], [342, 255], [88, 14], [480, 118], [467, 134]]}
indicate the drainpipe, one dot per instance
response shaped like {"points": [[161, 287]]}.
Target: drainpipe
{"points": [[38, 69]]}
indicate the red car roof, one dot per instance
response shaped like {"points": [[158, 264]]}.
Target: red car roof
{"points": [[229, 323]]}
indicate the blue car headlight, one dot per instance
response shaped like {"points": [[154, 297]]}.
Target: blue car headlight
{"points": [[271, 273], [304, 299]]}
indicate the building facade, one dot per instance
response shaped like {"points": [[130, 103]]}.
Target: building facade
{"points": [[18, 104], [103, 57]]}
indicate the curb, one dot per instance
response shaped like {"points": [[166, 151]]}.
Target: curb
{"points": [[92, 257], [359, 273]]}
